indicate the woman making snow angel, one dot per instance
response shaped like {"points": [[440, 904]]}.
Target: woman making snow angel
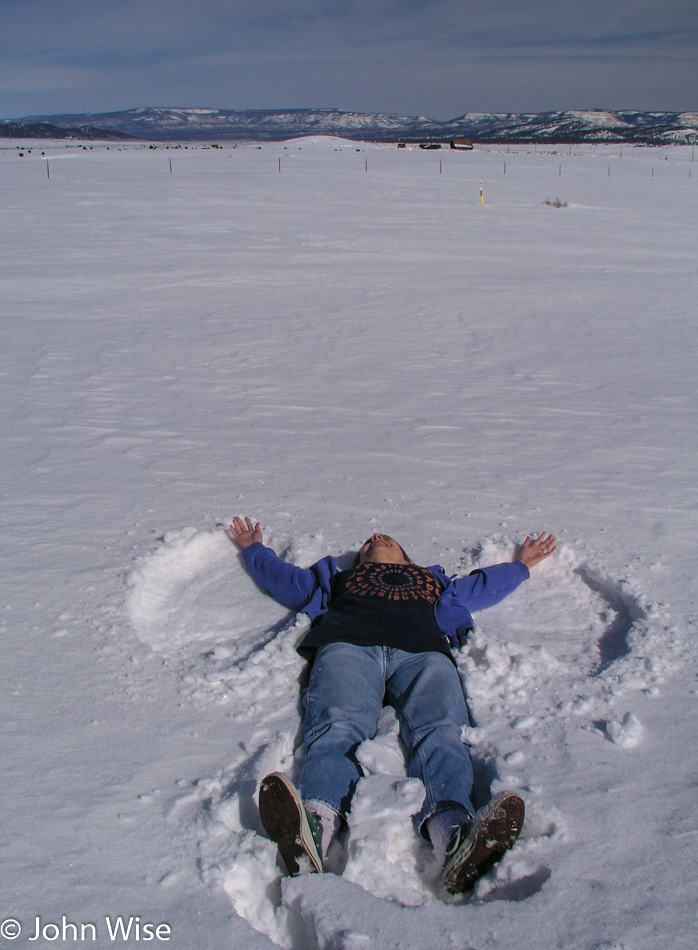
{"points": [[382, 632]]}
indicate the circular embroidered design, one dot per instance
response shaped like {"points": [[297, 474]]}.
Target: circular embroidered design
{"points": [[394, 582]]}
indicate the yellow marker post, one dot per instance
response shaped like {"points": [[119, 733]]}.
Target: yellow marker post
{"points": [[482, 197]]}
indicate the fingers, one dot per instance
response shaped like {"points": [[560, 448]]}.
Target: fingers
{"points": [[237, 527], [535, 550], [545, 543], [241, 527]]}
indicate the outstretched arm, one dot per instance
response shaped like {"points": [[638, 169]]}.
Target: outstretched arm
{"points": [[534, 551], [245, 533], [290, 585], [486, 586]]}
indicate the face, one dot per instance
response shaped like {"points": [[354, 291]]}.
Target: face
{"points": [[381, 549]]}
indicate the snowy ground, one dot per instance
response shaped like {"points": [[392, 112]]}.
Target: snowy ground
{"points": [[337, 339]]}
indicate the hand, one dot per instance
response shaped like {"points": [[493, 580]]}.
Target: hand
{"points": [[245, 533], [533, 552]]}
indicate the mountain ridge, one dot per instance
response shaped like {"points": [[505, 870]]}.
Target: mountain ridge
{"points": [[44, 130], [200, 124]]}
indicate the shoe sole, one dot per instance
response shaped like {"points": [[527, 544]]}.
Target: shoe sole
{"points": [[285, 821], [494, 832]]}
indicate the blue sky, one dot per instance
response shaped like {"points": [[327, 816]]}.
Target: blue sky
{"points": [[438, 58]]}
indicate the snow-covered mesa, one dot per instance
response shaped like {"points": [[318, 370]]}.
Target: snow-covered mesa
{"points": [[338, 341], [590, 125]]}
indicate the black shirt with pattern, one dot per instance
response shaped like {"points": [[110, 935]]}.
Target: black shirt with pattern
{"points": [[388, 605]]}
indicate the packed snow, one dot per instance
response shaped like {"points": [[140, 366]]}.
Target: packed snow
{"points": [[337, 338]]}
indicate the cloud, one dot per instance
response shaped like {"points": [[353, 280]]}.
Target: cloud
{"points": [[82, 27], [377, 55], [27, 78]]}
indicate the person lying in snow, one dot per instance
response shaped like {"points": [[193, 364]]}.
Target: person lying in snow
{"points": [[382, 632]]}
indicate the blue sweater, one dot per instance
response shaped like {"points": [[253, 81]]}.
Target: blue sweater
{"points": [[307, 590]]}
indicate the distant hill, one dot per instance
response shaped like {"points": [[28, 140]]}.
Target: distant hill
{"points": [[164, 124], [44, 130]]}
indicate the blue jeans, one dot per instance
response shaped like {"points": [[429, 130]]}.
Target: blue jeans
{"points": [[345, 694]]}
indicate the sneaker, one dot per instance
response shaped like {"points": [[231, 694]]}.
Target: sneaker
{"points": [[474, 848], [296, 832]]}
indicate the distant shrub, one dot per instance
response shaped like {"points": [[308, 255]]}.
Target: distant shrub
{"points": [[556, 204]]}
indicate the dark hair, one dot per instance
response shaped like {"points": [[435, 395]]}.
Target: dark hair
{"points": [[408, 559]]}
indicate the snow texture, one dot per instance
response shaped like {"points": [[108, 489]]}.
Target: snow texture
{"points": [[336, 343]]}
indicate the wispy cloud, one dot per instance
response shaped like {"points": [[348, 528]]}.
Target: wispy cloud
{"points": [[435, 56]]}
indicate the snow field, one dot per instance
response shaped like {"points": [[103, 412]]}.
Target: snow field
{"points": [[337, 350]]}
